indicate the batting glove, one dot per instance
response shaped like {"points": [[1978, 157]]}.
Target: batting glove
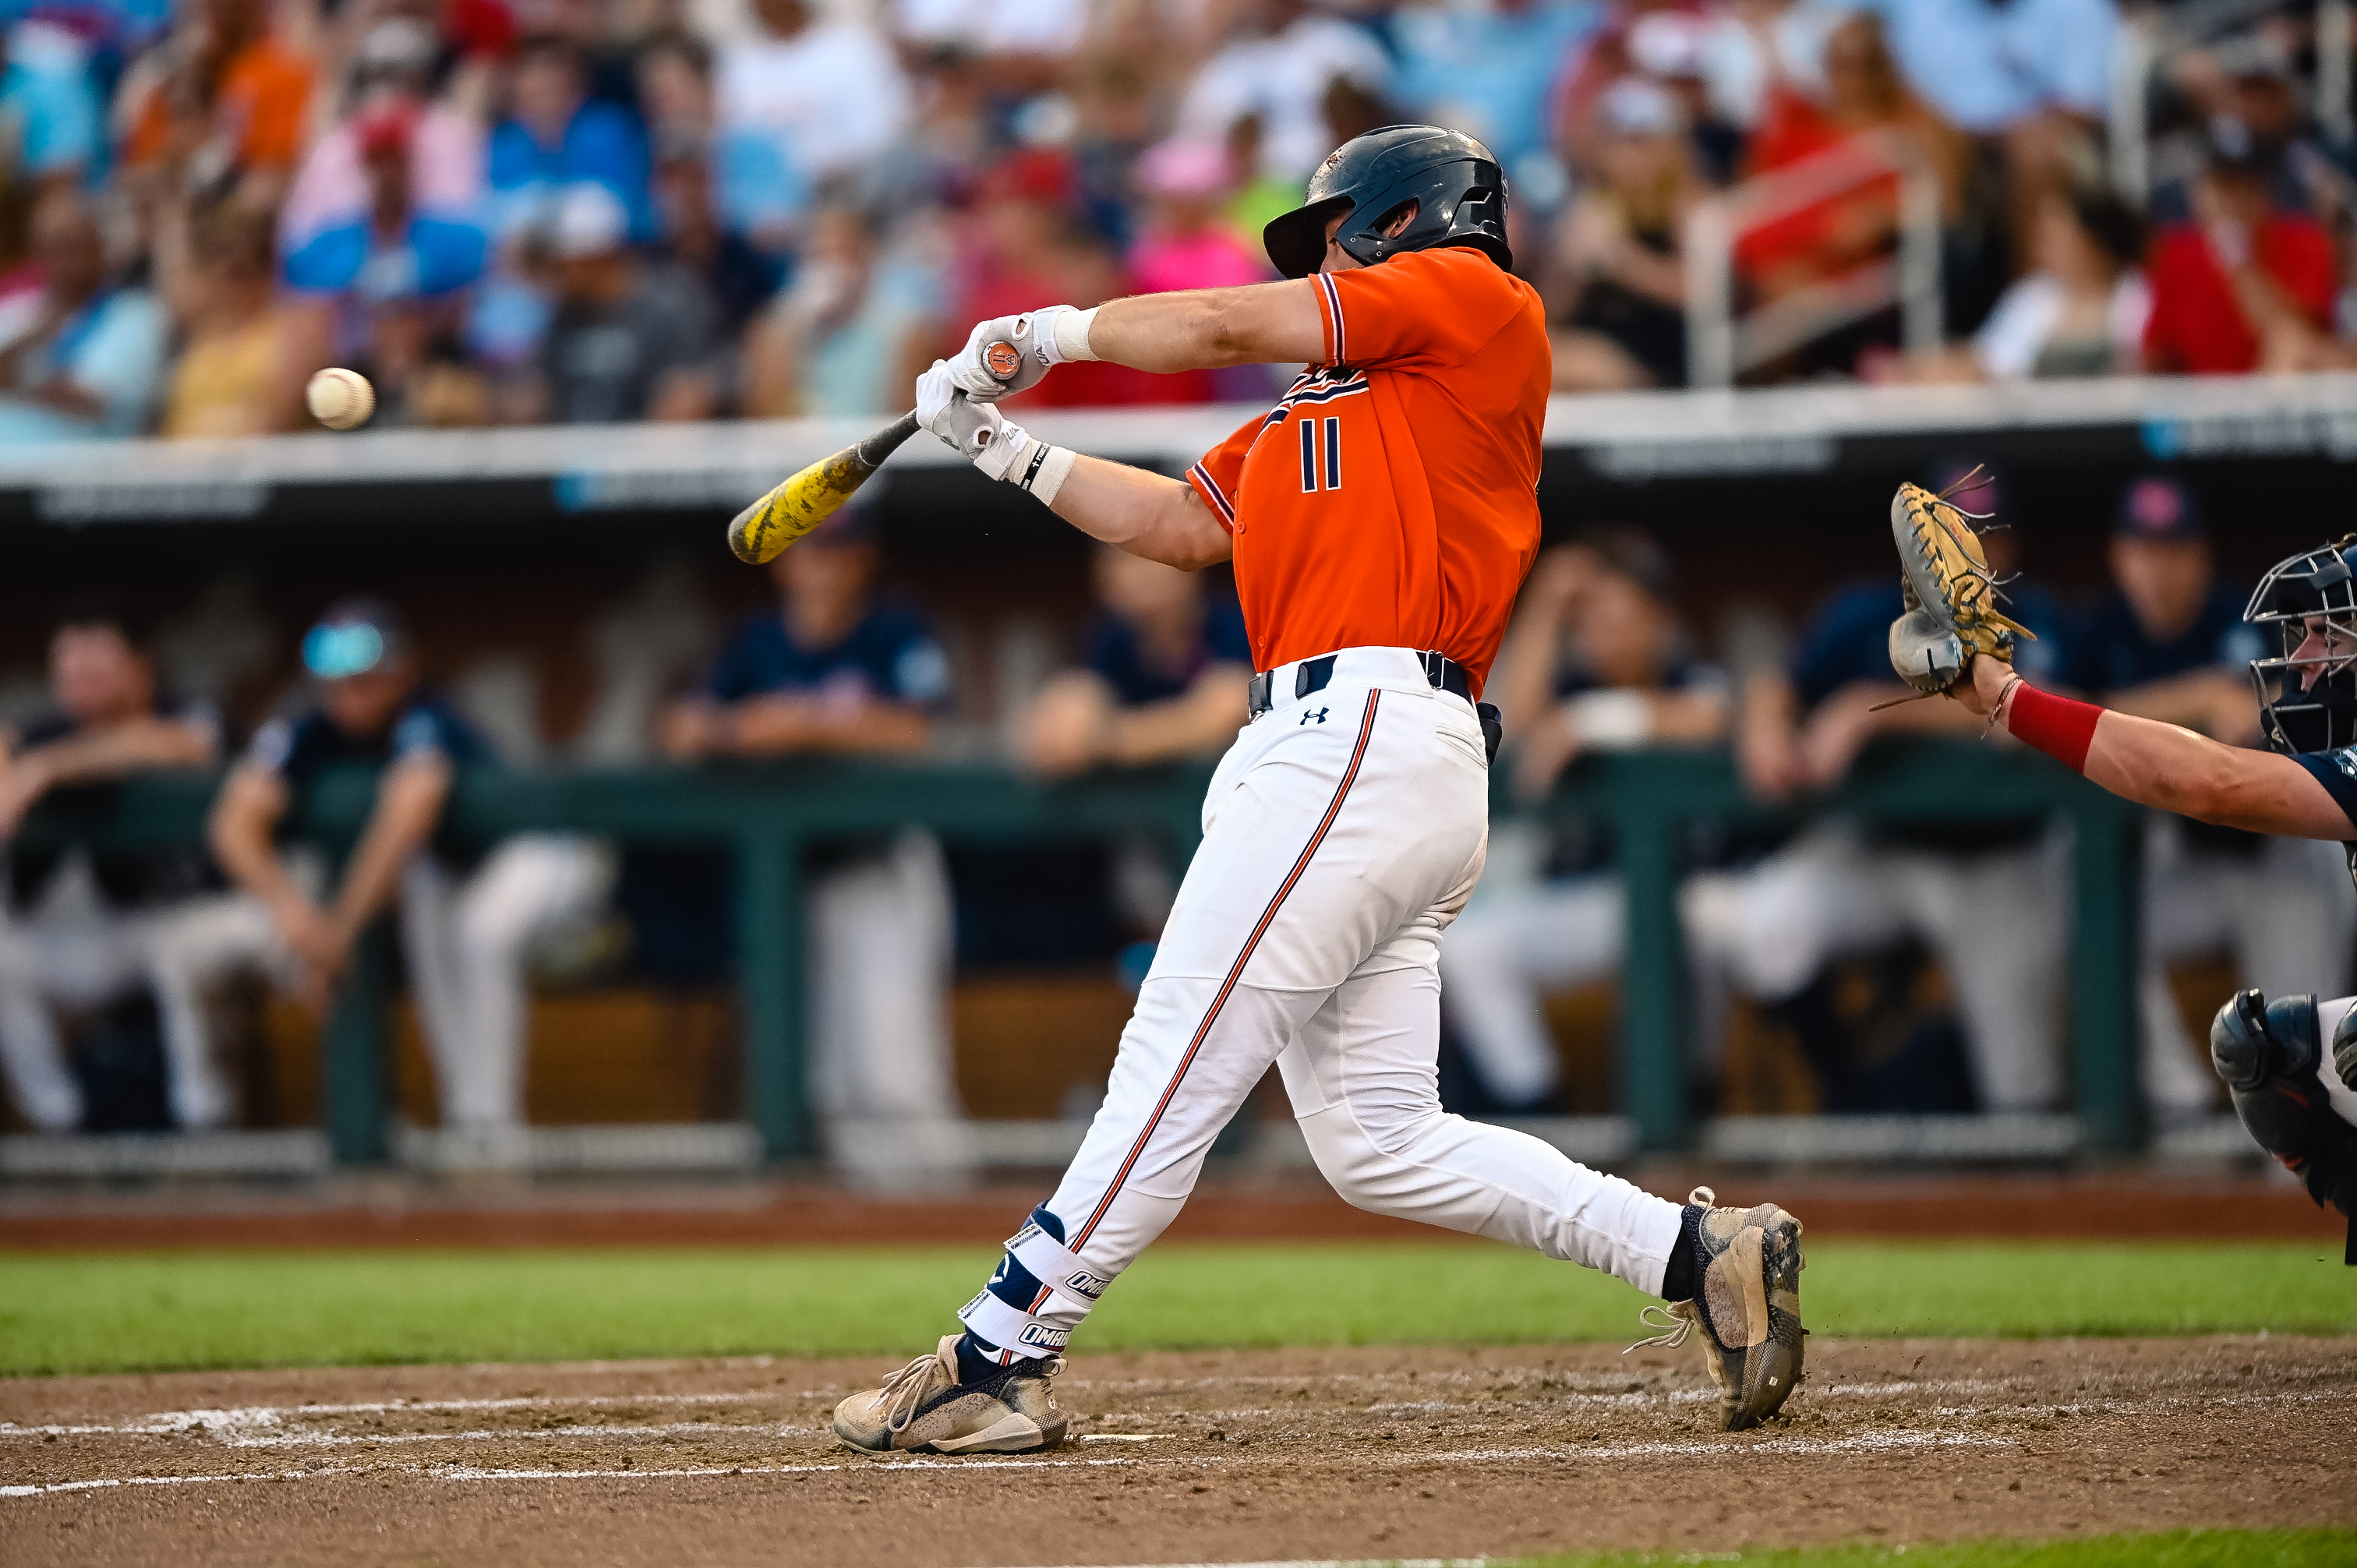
{"points": [[993, 443], [1039, 340]]}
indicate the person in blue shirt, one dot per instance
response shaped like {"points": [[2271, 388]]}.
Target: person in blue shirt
{"points": [[468, 909], [1488, 70], [2171, 644], [834, 670], [393, 277], [1162, 674], [1840, 888], [92, 359], [51, 107], [557, 135]]}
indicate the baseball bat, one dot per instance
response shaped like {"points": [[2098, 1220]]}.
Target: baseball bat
{"points": [[760, 533]]}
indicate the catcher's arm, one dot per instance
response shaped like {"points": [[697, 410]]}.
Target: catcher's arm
{"points": [[2159, 765]]}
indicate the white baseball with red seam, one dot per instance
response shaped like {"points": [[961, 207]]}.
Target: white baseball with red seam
{"points": [[340, 398]]}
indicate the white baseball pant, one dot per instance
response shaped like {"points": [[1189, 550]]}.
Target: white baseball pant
{"points": [[2286, 913], [74, 951], [2342, 1099], [466, 939], [882, 1075], [1995, 918], [1342, 832]]}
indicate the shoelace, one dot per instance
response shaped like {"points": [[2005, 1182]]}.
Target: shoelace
{"points": [[1679, 1323], [904, 1391]]}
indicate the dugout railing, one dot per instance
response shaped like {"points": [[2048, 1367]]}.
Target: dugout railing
{"points": [[768, 816]]}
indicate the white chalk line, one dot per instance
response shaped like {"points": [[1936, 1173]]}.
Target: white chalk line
{"points": [[1875, 1442]]}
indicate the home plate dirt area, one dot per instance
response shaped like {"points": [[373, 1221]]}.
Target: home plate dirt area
{"points": [[1227, 1455]]}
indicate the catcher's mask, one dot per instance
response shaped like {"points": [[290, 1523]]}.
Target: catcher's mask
{"points": [[2308, 691], [1450, 181]]}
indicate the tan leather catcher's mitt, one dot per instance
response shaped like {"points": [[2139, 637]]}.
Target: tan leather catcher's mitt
{"points": [[1952, 598]]}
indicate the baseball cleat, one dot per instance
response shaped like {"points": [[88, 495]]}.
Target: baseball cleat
{"points": [[1747, 1308], [923, 1409]]}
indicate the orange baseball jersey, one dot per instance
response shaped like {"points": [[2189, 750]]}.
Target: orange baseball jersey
{"points": [[1390, 498]]}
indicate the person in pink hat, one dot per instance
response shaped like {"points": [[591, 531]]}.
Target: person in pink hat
{"points": [[1187, 242]]}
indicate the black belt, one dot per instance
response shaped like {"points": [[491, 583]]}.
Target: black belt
{"points": [[1443, 674]]}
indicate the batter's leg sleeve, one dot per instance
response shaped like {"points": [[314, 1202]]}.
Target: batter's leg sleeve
{"points": [[1504, 954], [32, 1055], [1362, 1077]]}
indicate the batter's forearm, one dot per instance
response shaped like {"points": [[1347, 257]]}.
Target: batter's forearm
{"points": [[1212, 328], [1151, 515]]}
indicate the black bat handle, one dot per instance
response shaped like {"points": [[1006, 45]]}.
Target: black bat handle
{"points": [[887, 441]]}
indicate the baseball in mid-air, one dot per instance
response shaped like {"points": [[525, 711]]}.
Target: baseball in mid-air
{"points": [[340, 398]]}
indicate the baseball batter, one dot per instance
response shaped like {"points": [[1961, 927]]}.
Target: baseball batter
{"points": [[1380, 518], [2297, 1097]]}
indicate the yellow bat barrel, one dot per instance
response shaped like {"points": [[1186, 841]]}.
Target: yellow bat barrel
{"points": [[758, 533]]}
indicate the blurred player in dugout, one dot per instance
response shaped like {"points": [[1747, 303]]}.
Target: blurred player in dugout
{"points": [[1841, 887], [836, 669], [2171, 645], [1596, 661], [469, 911], [81, 929]]}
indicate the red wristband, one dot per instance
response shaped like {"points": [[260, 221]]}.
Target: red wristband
{"points": [[2060, 727]]}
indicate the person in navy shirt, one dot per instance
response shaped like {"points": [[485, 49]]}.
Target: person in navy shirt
{"points": [[834, 669], [85, 928], [2171, 644], [1840, 888], [1163, 669], [469, 911]]}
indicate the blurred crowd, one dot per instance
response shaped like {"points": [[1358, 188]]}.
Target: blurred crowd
{"points": [[1603, 657], [511, 211]]}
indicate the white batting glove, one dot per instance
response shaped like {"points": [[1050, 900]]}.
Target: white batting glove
{"points": [[974, 431], [1040, 339], [993, 443]]}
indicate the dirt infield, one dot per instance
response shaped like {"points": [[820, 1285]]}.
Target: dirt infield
{"points": [[397, 1212], [1179, 1457]]}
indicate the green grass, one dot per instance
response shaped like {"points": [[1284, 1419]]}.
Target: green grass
{"points": [[125, 1312], [2178, 1549]]}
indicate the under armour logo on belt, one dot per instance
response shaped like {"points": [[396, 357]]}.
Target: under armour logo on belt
{"points": [[1319, 715]]}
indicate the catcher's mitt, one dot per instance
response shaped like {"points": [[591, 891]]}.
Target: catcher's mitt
{"points": [[1951, 597]]}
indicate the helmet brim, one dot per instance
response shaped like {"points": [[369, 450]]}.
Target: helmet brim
{"points": [[1296, 241]]}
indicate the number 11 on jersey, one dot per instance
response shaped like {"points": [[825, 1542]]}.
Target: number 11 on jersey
{"points": [[1311, 447]]}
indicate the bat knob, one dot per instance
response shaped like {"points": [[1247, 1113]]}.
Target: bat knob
{"points": [[1002, 360]]}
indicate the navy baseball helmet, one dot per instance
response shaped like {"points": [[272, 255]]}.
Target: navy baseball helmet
{"points": [[2307, 684], [1450, 181]]}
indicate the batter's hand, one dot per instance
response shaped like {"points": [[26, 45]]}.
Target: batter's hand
{"points": [[974, 431], [984, 369]]}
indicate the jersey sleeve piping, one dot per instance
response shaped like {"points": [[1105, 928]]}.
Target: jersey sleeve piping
{"points": [[1330, 317], [1213, 497]]}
